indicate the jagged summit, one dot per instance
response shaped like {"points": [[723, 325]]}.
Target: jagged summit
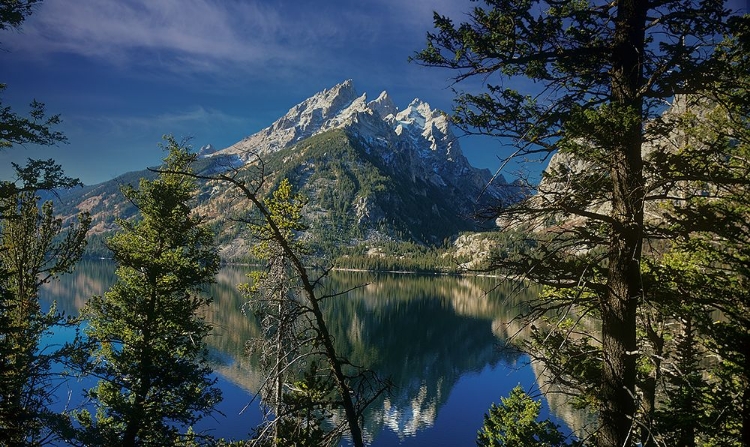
{"points": [[304, 120], [383, 105], [418, 136], [342, 107], [301, 121]]}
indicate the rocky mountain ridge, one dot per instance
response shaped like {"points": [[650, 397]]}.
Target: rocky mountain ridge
{"points": [[422, 133], [372, 174]]}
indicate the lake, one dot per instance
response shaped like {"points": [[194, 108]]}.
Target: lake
{"points": [[438, 338]]}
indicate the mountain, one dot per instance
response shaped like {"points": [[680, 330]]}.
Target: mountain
{"points": [[372, 174]]}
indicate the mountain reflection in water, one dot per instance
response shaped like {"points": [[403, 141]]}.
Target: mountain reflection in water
{"points": [[439, 340]]}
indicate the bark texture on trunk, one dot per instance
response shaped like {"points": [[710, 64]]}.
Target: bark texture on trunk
{"points": [[624, 287]]}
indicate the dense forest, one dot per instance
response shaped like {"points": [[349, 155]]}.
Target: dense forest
{"points": [[640, 223]]}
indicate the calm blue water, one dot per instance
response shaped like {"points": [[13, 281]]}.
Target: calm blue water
{"points": [[436, 338]]}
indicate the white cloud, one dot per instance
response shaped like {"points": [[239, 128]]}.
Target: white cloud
{"points": [[136, 32], [221, 36]]}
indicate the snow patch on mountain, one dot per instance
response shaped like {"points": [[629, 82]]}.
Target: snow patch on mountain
{"points": [[206, 150]]}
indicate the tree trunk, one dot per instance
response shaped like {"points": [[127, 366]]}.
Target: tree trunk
{"points": [[128, 438], [279, 369], [624, 287], [689, 413], [325, 337], [134, 420]]}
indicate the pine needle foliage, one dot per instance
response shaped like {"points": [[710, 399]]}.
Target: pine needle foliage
{"points": [[147, 331]]}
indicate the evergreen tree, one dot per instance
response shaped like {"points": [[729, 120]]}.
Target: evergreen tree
{"points": [[602, 71], [702, 280], [147, 330], [14, 12], [35, 247], [514, 423], [295, 334]]}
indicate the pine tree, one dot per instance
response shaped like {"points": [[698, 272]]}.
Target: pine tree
{"points": [[35, 247], [515, 423], [704, 274], [602, 71], [46, 251], [147, 329], [295, 331]]}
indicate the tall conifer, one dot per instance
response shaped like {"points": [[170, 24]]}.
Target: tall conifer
{"points": [[600, 72], [147, 329]]}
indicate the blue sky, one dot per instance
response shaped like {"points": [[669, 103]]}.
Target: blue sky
{"points": [[124, 72]]}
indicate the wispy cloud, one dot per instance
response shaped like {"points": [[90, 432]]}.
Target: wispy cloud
{"points": [[215, 36], [207, 34]]}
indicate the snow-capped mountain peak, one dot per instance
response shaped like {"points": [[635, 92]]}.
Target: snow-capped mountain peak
{"points": [[341, 107], [301, 121], [419, 136], [418, 112], [370, 171], [327, 103], [384, 105]]}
